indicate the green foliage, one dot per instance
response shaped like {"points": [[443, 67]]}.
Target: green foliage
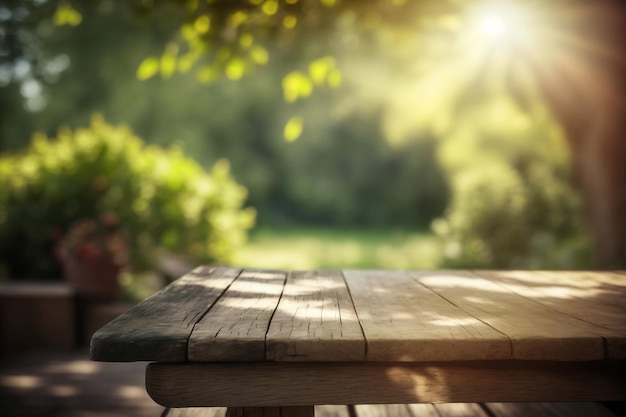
{"points": [[341, 171], [162, 199], [513, 205], [346, 174], [500, 218]]}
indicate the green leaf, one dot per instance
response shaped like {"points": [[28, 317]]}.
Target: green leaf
{"points": [[270, 7], [259, 55], [293, 128], [246, 40], [290, 21], [168, 60], [296, 85], [320, 68], [148, 68], [235, 69], [65, 14], [238, 18], [202, 24]]}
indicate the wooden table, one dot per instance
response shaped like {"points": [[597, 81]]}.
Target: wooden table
{"points": [[257, 341]]}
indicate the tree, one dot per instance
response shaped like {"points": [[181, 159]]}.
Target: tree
{"points": [[573, 59], [585, 88], [566, 54]]}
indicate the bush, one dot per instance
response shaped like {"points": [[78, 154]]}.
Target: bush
{"points": [[161, 198], [503, 218]]}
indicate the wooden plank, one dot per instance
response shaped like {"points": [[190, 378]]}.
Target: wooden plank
{"points": [[577, 409], [536, 332], [381, 410], [423, 410], [315, 321], [301, 383], [404, 321], [460, 410], [235, 327], [565, 409], [518, 410], [302, 411], [594, 297], [331, 411], [196, 412], [158, 328], [551, 409]]}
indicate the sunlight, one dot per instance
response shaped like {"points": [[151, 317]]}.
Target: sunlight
{"points": [[503, 23], [494, 25], [21, 381]]}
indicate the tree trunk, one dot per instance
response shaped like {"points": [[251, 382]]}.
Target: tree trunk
{"points": [[585, 87]]}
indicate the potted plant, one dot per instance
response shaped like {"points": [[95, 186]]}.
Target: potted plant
{"points": [[92, 253]]}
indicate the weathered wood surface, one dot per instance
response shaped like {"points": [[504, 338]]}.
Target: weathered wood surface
{"points": [[236, 326], [224, 314], [405, 321], [537, 332], [571, 409], [158, 328], [267, 384], [315, 321], [597, 298]]}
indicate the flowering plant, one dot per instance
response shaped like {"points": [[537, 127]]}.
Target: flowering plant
{"points": [[100, 241]]}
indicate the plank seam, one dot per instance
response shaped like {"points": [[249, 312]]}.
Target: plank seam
{"points": [[201, 316], [269, 322], [487, 410], [437, 411], [366, 343], [605, 347], [539, 303], [416, 279]]}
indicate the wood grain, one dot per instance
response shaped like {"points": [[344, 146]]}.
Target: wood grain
{"points": [[536, 331], [196, 412], [424, 410], [461, 410], [592, 297], [518, 410], [331, 411], [235, 327], [158, 328], [404, 321], [551, 409], [380, 410], [315, 321], [297, 383]]}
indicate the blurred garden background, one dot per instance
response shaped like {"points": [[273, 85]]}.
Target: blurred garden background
{"points": [[310, 134]]}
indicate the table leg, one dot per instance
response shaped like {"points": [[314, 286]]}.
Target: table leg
{"points": [[304, 411]]}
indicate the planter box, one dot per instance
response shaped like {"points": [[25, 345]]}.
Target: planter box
{"points": [[37, 316]]}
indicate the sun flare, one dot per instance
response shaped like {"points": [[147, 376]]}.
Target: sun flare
{"points": [[493, 25], [503, 23]]}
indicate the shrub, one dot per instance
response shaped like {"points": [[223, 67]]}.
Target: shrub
{"points": [[501, 218], [161, 198]]}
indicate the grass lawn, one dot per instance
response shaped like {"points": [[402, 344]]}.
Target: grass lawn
{"points": [[311, 248]]}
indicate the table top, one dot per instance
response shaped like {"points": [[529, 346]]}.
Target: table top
{"points": [[223, 314]]}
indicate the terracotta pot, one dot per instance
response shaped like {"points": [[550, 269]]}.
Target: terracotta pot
{"points": [[94, 279]]}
